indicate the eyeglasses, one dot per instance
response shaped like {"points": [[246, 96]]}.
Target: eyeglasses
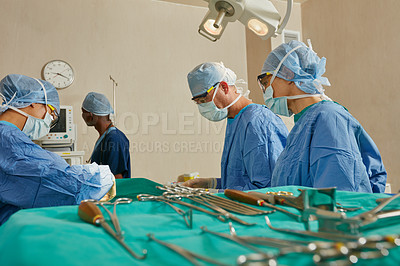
{"points": [[202, 97], [55, 117], [262, 85]]}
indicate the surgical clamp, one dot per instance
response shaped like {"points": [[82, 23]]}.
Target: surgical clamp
{"points": [[190, 256], [187, 216], [90, 213], [113, 215]]}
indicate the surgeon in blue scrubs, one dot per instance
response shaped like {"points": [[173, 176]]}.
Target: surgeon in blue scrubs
{"points": [[327, 147], [112, 146], [30, 176], [254, 135]]}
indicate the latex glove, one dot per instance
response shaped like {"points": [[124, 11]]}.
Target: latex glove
{"points": [[111, 193], [201, 183]]}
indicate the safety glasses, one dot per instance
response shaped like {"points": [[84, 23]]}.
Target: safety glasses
{"points": [[263, 85], [202, 97], [55, 117]]}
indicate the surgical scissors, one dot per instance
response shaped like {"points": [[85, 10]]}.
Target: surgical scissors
{"points": [[113, 215]]}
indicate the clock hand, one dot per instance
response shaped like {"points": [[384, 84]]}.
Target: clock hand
{"points": [[62, 75], [59, 74]]}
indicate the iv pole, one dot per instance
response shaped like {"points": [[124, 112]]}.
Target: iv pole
{"points": [[115, 84]]}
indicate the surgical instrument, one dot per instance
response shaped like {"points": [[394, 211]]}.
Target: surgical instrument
{"points": [[287, 198], [113, 215], [354, 225], [190, 256], [381, 243], [187, 216], [90, 213], [251, 199], [203, 195], [324, 250], [204, 202]]}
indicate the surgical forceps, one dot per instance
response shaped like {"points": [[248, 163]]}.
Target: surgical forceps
{"points": [[205, 196], [113, 215], [90, 213], [214, 207], [187, 216], [190, 256]]}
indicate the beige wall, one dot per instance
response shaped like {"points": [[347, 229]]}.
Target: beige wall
{"points": [[361, 41], [148, 47]]}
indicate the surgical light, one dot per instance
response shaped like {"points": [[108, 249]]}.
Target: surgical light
{"points": [[260, 16], [257, 27]]}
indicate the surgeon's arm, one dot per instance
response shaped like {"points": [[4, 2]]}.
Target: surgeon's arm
{"points": [[262, 147], [373, 162], [335, 159]]}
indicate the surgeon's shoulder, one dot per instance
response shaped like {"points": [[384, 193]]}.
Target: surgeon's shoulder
{"points": [[332, 113], [10, 135], [117, 135], [261, 116], [330, 109]]}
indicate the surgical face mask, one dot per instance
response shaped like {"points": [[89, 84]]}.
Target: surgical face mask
{"points": [[279, 105], [35, 128], [210, 111]]}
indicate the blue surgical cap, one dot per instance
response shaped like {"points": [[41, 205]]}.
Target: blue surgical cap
{"points": [[302, 66], [97, 104], [205, 75], [20, 91]]}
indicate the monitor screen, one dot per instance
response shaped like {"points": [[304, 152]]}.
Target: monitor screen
{"points": [[61, 126]]}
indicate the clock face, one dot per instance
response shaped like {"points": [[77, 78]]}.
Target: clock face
{"points": [[59, 73]]}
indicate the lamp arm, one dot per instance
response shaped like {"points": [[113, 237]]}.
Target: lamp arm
{"points": [[286, 18]]}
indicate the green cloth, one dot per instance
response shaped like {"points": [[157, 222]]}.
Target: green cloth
{"points": [[57, 236], [131, 187]]}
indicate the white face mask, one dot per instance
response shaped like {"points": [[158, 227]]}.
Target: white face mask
{"points": [[210, 111]]}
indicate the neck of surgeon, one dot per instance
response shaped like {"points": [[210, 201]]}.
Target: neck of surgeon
{"points": [[297, 105], [229, 94], [103, 123]]}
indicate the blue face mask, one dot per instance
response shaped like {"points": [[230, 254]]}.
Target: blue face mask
{"points": [[210, 111], [276, 105], [35, 128]]}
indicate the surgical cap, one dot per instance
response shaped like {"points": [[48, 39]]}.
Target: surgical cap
{"points": [[97, 104], [20, 91], [302, 66], [205, 75]]}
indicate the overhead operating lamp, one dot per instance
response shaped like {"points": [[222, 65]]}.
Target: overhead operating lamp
{"points": [[260, 16]]}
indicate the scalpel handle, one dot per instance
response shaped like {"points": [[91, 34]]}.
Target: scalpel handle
{"points": [[280, 199], [251, 199], [90, 213], [243, 197]]}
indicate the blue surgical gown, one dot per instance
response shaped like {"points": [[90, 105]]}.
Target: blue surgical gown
{"points": [[33, 177], [112, 149], [253, 141], [328, 147]]}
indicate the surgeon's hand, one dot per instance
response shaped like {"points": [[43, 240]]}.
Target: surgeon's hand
{"points": [[111, 193], [201, 183]]}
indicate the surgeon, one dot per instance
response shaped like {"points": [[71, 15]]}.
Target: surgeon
{"points": [[112, 146], [254, 136], [30, 176], [327, 147]]}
